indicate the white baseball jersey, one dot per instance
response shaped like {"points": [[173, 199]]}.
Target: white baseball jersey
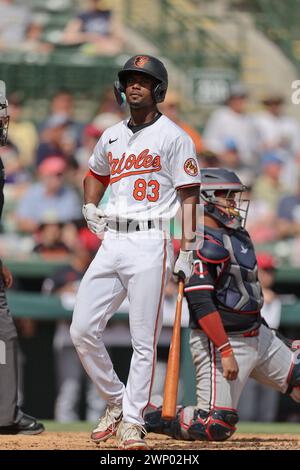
{"points": [[145, 168]]}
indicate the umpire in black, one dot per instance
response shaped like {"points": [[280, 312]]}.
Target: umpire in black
{"points": [[12, 419]]}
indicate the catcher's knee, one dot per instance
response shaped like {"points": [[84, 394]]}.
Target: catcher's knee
{"points": [[221, 424], [216, 425], [294, 378], [188, 425], [192, 424]]}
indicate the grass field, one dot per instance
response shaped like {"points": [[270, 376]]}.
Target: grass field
{"points": [[243, 428]]}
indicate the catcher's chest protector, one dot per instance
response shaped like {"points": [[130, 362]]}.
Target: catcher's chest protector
{"points": [[237, 286]]}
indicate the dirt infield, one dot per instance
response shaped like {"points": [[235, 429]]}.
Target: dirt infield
{"points": [[81, 441]]}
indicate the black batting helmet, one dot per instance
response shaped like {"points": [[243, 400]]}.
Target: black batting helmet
{"points": [[233, 214], [148, 65]]}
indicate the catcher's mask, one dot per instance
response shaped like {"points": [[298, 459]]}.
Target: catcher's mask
{"points": [[4, 118], [144, 64], [222, 194]]}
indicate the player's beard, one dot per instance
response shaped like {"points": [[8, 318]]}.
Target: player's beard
{"points": [[136, 105], [139, 104]]}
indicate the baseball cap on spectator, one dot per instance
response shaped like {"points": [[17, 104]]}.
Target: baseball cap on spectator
{"points": [[230, 144], [52, 166], [93, 131], [265, 260], [273, 98], [237, 90], [49, 218], [57, 120], [271, 157], [105, 120]]}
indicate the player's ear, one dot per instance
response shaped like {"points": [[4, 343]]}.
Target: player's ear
{"points": [[119, 93]]}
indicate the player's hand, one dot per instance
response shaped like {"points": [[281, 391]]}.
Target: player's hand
{"points": [[7, 277], [184, 266], [230, 366], [95, 218]]}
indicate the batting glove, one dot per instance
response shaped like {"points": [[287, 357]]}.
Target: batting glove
{"points": [[184, 266], [94, 218]]}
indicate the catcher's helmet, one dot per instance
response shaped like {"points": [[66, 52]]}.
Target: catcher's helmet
{"points": [[232, 213], [148, 65]]}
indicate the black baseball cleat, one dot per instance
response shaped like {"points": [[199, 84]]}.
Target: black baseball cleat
{"points": [[26, 425]]}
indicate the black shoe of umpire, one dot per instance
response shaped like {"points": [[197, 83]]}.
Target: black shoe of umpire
{"points": [[26, 425]]}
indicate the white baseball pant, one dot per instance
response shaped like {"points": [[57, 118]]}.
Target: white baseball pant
{"points": [[136, 264]]}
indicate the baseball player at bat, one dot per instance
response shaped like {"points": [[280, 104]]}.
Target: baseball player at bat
{"points": [[12, 418], [151, 166], [229, 340]]}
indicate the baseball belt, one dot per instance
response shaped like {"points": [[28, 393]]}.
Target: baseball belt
{"points": [[130, 225]]}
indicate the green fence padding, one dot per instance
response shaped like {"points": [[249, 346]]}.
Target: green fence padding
{"points": [[36, 305], [35, 267]]}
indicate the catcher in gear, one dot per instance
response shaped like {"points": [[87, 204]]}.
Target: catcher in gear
{"points": [[229, 341]]}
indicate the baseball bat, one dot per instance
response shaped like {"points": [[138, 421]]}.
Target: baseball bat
{"points": [[172, 374]]}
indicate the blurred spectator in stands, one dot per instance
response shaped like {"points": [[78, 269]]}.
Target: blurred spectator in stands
{"points": [[62, 107], [208, 159], [49, 197], [229, 131], [105, 120], [261, 220], [62, 103], [271, 310], [14, 21], [56, 139], [22, 134], [15, 173], [88, 240], [17, 181], [171, 108], [69, 371], [33, 41], [230, 156], [95, 28], [275, 130], [90, 137], [258, 402], [109, 112], [268, 186], [288, 224], [289, 214], [49, 240], [108, 104]]}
